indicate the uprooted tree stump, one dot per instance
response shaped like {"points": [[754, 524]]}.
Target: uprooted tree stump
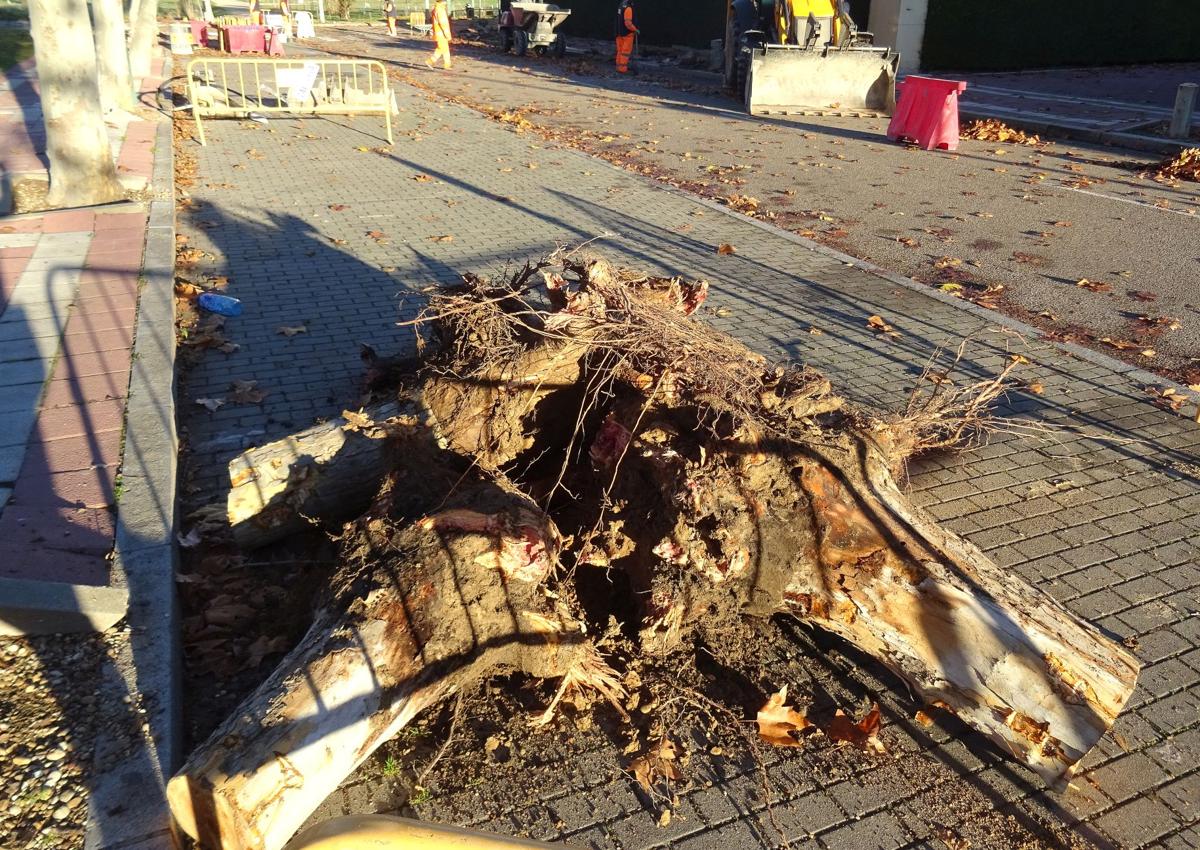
{"points": [[611, 431]]}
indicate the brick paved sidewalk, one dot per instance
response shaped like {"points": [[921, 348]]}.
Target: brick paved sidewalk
{"points": [[69, 287], [1103, 513]]}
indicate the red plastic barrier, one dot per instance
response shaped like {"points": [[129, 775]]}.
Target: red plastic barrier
{"points": [[245, 39], [927, 112], [199, 33]]}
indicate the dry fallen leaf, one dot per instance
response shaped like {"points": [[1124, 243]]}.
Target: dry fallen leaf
{"points": [[876, 323], [726, 248], [659, 762], [1142, 295], [952, 839], [376, 234], [291, 330], [337, 207], [446, 238], [246, 392], [1092, 285], [184, 289], [863, 734], [423, 178], [356, 420], [778, 724], [210, 404]]}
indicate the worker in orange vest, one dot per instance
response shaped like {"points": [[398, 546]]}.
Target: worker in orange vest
{"points": [[389, 13], [441, 34], [626, 31]]}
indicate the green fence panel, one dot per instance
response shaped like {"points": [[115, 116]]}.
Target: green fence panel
{"points": [[691, 22], [996, 35]]}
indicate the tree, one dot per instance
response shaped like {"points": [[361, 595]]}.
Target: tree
{"points": [[112, 57], [143, 26], [613, 434], [81, 163]]}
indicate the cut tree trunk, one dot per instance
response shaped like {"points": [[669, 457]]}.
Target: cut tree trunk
{"points": [[112, 55], [81, 161], [332, 470], [720, 486], [417, 612], [822, 531]]}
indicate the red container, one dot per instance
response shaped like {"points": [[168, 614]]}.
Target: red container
{"points": [[927, 112], [199, 33]]}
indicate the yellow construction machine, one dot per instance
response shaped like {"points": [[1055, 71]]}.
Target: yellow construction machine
{"points": [[806, 57]]}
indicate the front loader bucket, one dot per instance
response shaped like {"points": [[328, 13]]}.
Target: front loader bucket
{"points": [[791, 80]]}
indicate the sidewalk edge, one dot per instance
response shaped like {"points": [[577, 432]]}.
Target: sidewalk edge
{"points": [[147, 670]]}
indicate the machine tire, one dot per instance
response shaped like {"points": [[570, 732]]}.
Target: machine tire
{"points": [[506, 40], [521, 40], [733, 38], [559, 48], [741, 74]]}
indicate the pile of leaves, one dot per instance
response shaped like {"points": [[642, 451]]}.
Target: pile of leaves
{"points": [[992, 130], [1185, 166]]}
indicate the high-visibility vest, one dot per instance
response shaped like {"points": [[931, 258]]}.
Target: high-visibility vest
{"points": [[625, 25]]}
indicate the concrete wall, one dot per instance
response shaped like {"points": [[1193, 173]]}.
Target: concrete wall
{"points": [[900, 24]]}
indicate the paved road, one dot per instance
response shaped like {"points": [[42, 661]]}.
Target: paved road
{"points": [[1103, 514], [1034, 220]]}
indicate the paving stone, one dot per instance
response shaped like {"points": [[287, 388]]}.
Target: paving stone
{"points": [[83, 389], [1128, 776], [78, 419], [1182, 796], [882, 830], [808, 815], [1179, 753], [91, 488], [1138, 822], [85, 531], [52, 565]]}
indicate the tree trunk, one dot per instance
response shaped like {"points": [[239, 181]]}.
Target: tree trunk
{"points": [[410, 619], [81, 161], [188, 10], [332, 470], [820, 530], [112, 55], [143, 28], [721, 486]]}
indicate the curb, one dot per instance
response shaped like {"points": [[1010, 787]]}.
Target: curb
{"points": [[127, 805]]}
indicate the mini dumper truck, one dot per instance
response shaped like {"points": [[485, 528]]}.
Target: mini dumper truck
{"points": [[531, 26]]}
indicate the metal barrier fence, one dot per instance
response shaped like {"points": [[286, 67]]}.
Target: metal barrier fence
{"points": [[236, 87]]}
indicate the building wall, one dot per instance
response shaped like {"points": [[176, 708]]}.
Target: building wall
{"points": [[1014, 34]]}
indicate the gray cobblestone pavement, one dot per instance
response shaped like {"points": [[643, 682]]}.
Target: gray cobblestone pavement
{"points": [[1102, 512]]}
